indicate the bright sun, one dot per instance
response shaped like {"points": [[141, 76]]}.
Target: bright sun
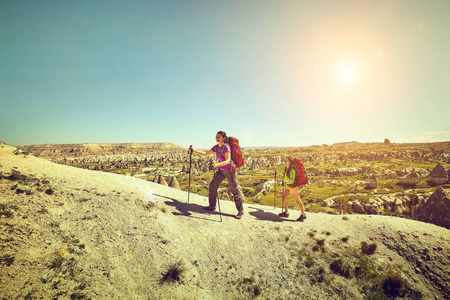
{"points": [[347, 72]]}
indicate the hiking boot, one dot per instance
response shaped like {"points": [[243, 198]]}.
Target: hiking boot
{"points": [[239, 215], [284, 214], [301, 218], [210, 208]]}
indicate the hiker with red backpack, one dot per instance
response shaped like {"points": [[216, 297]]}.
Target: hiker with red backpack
{"points": [[294, 176], [226, 170]]}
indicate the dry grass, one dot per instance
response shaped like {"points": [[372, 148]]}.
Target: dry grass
{"points": [[173, 273]]}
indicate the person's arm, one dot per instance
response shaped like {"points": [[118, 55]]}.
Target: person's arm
{"points": [[225, 162], [210, 151]]}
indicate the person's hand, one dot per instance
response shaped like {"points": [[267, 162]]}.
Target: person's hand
{"points": [[213, 164]]}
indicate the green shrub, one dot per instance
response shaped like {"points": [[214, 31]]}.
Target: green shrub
{"points": [[257, 290], [368, 249], [56, 263], [393, 284], [317, 275], [7, 260], [248, 280], [5, 211], [365, 269], [16, 176], [49, 191], [340, 268], [309, 262], [320, 245]]}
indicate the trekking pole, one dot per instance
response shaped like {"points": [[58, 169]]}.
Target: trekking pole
{"points": [[190, 165], [282, 198], [275, 191], [218, 200]]}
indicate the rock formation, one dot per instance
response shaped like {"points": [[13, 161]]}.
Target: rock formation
{"points": [[445, 156], [174, 183], [438, 176], [436, 209], [375, 205], [388, 174], [409, 180], [162, 181], [372, 183], [357, 207], [81, 150]]}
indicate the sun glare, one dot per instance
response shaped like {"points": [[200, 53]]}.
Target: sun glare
{"points": [[347, 72]]}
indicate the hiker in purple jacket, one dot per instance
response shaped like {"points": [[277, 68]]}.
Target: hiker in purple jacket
{"points": [[224, 163]]}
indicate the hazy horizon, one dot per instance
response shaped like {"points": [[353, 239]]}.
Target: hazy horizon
{"points": [[288, 73], [243, 146]]}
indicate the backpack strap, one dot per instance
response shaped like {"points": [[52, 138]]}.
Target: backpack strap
{"points": [[218, 149], [222, 151]]}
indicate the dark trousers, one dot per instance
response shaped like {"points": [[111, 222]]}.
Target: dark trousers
{"points": [[233, 187]]}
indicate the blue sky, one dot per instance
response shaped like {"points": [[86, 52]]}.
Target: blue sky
{"points": [[272, 73]]}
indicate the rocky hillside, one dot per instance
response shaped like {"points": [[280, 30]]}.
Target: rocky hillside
{"points": [[349, 159], [363, 178], [76, 150], [70, 233]]}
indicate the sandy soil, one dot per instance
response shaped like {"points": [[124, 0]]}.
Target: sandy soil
{"points": [[69, 233]]}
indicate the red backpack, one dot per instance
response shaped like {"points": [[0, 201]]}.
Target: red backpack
{"points": [[301, 178], [236, 153]]}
